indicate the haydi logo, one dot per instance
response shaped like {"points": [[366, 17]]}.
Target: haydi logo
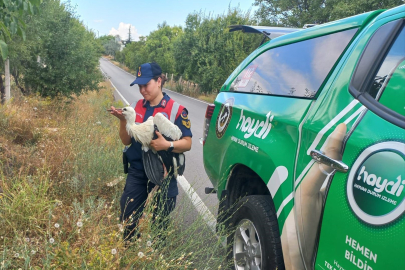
{"points": [[391, 187], [249, 126], [375, 187]]}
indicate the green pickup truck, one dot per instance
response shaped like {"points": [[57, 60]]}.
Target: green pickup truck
{"points": [[305, 147]]}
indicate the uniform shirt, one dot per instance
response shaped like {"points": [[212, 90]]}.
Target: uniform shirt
{"points": [[134, 152]]}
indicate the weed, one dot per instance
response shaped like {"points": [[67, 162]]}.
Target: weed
{"points": [[60, 184]]}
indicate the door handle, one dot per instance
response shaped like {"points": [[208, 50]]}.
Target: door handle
{"points": [[320, 157]]}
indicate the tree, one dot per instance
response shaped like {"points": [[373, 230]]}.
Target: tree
{"points": [[159, 46], [185, 48], [204, 52], [207, 53], [60, 57], [345, 8], [109, 45], [11, 23], [129, 40], [134, 54], [295, 13], [11, 20]]}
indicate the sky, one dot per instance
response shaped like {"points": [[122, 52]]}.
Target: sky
{"points": [[115, 16]]}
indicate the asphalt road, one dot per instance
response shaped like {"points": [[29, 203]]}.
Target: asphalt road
{"points": [[194, 174]]}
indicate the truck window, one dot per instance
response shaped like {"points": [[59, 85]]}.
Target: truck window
{"points": [[388, 86], [379, 79], [296, 70]]}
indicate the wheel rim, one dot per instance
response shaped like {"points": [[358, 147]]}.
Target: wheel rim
{"points": [[247, 251]]}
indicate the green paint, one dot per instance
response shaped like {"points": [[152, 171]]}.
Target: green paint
{"points": [[341, 226], [363, 224]]}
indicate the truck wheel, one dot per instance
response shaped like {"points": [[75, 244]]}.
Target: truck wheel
{"points": [[254, 242]]}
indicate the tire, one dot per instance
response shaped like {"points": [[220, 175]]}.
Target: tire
{"points": [[254, 242]]}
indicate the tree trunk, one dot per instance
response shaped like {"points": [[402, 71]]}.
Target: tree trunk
{"points": [[7, 80], [17, 82], [2, 90]]}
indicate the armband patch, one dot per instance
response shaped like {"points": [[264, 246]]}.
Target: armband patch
{"points": [[184, 114], [186, 123]]}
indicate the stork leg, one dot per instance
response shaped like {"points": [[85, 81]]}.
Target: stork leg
{"points": [[174, 166], [165, 173]]}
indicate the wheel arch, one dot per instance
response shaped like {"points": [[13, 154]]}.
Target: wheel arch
{"points": [[243, 181]]}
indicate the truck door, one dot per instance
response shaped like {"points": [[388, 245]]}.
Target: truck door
{"points": [[363, 221], [357, 122]]}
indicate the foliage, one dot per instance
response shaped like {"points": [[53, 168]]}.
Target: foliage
{"points": [[60, 56], [111, 46], [207, 53], [345, 8], [204, 52], [11, 20], [105, 38], [157, 47], [297, 13], [133, 54]]}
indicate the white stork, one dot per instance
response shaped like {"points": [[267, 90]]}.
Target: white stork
{"points": [[144, 134]]}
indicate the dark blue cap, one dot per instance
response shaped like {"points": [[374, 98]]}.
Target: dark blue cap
{"points": [[146, 72]]}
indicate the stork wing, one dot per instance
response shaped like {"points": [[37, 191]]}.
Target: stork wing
{"points": [[166, 127], [174, 162], [153, 167]]}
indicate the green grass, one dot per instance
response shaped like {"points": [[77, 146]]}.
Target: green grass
{"points": [[61, 179]]}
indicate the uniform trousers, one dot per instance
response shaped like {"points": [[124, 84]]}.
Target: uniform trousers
{"points": [[137, 188]]}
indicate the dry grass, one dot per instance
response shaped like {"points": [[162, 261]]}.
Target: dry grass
{"points": [[124, 67], [208, 98], [60, 183], [109, 57]]}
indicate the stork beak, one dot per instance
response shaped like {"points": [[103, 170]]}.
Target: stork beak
{"points": [[118, 109]]}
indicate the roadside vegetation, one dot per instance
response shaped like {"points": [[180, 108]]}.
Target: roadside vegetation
{"points": [[60, 172], [60, 175], [204, 52], [55, 55], [61, 181]]}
